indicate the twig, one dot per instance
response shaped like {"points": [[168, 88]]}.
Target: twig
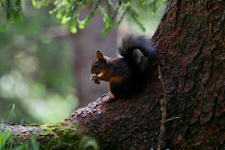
{"points": [[173, 118], [163, 104]]}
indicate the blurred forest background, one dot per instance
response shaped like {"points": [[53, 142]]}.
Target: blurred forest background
{"points": [[45, 70]]}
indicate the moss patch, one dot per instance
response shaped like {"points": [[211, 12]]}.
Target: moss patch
{"points": [[59, 135]]}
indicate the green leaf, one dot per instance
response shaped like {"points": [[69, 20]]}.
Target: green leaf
{"points": [[81, 24], [60, 13], [46, 2], [56, 9], [37, 4], [4, 137], [68, 2], [91, 143], [73, 30], [65, 19], [153, 7], [87, 142], [104, 31], [11, 20], [116, 25], [127, 4], [120, 11], [73, 23], [104, 19], [143, 3], [133, 14], [3, 27]]}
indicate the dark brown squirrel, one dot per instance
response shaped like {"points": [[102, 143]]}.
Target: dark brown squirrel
{"points": [[126, 75]]}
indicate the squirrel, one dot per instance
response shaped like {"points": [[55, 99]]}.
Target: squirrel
{"points": [[126, 75]]}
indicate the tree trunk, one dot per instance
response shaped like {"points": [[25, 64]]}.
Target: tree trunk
{"points": [[191, 41]]}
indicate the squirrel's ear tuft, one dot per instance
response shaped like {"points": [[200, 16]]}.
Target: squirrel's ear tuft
{"points": [[99, 55]]}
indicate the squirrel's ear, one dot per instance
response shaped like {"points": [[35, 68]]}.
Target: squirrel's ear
{"points": [[99, 55]]}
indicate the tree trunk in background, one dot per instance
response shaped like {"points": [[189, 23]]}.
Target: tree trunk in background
{"points": [[86, 42], [191, 41]]}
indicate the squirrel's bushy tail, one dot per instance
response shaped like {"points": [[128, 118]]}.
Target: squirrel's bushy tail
{"points": [[131, 43], [140, 62]]}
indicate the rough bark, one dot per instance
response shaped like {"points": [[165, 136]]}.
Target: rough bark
{"points": [[191, 41]]}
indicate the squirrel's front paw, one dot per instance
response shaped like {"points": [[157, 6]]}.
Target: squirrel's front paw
{"points": [[94, 77]]}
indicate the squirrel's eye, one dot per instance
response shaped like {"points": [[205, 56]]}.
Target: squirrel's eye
{"points": [[96, 65]]}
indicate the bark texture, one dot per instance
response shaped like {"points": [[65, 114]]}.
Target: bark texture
{"points": [[124, 124], [191, 41]]}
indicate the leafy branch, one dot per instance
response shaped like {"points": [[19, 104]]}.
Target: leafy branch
{"points": [[69, 11], [13, 11]]}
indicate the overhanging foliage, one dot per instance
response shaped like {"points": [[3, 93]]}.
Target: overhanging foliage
{"points": [[69, 11]]}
